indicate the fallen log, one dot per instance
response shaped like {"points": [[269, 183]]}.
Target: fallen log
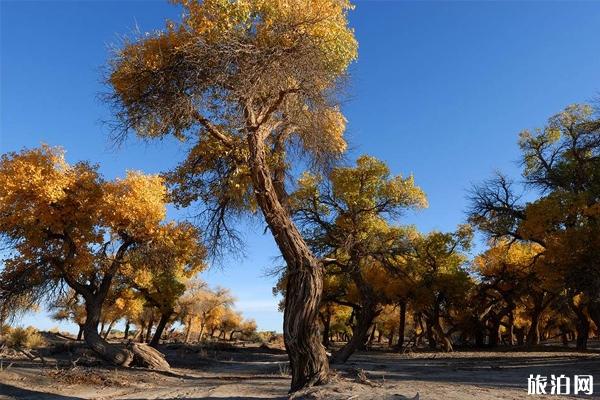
{"points": [[147, 356]]}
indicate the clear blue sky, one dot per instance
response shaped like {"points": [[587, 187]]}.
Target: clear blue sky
{"points": [[440, 90]]}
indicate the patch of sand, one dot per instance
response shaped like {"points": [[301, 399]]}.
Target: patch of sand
{"points": [[250, 373]]}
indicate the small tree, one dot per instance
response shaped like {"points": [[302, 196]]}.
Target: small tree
{"points": [[65, 225], [159, 270], [69, 307], [345, 219], [442, 281]]}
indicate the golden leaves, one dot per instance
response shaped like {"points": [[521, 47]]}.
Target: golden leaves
{"points": [[135, 205], [369, 185], [278, 23], [65, 221]]}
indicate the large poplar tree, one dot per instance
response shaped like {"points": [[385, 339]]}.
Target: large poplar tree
{"points": [[248, 83]]}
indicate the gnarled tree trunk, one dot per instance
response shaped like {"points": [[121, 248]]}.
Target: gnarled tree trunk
{"points": [[117, 355], [308, 360]]}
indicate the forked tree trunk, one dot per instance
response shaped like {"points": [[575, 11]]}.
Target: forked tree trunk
{"points": [[308, 360], [540, 301], [164, 320], [113, 353]]}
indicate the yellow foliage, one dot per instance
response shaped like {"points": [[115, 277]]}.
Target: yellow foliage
{"points": [[135, 205], [276, 23], [24, 338]]}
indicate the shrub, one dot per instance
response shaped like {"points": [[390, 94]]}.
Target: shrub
{"points": [[24, 338]]}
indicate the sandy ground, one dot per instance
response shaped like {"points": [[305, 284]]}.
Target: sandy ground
{"points": [[253, 373]]}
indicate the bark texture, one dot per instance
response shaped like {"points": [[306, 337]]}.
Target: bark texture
{"points": [[308, 360], [114, 354], [117, 354], [147, 356]]}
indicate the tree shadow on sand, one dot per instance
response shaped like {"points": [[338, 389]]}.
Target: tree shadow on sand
{"points": [[14, 392]]}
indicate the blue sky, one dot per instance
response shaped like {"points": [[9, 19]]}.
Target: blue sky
{"points": [[440, 90]]}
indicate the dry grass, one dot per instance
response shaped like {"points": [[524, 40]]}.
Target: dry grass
{"points": [[24, 338], [88, 376]]}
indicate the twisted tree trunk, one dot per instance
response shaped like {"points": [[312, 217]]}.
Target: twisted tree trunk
{"points": [[117, 355], [308, 360]]}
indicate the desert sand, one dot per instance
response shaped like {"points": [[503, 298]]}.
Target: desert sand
{"points": [[253, 372]]}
